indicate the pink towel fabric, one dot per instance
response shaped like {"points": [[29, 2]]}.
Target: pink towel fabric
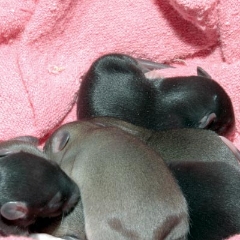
{"points": [[47, 45]]}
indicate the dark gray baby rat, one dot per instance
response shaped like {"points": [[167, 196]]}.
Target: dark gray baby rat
{"points": [[31, 187], [180, 144], [127, 191], [115, 86]]}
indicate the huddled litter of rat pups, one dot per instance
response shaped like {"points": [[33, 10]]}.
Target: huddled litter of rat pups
{"points": [[145, 154]]}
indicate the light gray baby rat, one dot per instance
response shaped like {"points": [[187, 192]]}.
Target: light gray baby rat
{"points": [[127, 191]]}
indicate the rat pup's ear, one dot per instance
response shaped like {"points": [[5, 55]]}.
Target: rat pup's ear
{"points": [[60, 141], [14, 210]]}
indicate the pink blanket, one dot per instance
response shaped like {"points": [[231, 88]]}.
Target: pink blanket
{"points": [[47, 45]]}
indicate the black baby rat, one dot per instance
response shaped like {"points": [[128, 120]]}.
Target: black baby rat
{"points": [[31, 187]]}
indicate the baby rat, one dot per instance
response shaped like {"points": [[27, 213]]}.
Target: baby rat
{"points": [[127, 192], [31, 187], [180, 144], [115, 86], [207, 171]]}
